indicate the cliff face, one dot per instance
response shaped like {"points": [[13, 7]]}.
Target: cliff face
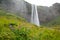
{"points": [[46, 14], [22, 8], [16, 6]]}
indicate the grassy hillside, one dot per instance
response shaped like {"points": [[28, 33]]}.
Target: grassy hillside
{"points": [[17, 28]]}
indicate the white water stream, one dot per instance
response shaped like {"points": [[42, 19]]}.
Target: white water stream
{"points": [[34, 16]]}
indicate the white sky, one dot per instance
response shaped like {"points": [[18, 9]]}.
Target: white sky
{"points": [[43, 2]]}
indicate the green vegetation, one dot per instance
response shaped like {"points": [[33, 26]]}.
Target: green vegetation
{"points": [[17, 28]]}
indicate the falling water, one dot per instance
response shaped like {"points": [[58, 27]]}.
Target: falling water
{"points": [[34, 16]]}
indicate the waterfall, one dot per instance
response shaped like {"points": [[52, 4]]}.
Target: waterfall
{"points": [[34, 16], [19, 6]]}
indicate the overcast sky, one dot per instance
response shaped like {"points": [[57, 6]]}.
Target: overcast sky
{"points": [[43, 2]]}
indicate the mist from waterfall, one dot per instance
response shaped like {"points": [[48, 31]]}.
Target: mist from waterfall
{"points": [[34, 16]]}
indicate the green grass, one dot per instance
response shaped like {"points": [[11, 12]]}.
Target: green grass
{"points": [[22, 30]]}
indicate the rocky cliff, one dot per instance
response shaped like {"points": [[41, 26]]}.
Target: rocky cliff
{"points": [[22, 8]]}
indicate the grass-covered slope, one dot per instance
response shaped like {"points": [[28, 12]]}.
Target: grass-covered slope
{"points": [[16, 28]]}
